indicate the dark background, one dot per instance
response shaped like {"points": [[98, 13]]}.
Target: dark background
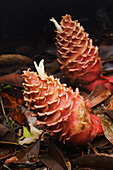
{"points": [[26, 22]]}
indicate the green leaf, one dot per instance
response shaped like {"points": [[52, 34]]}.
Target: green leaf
{"points": [[107, 125], [7, 86], [26, 132]]}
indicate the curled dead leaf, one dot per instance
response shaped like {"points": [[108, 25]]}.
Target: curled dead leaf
{"points": [[98, 95], [11, 79], [54, 158], [18, 112], [107, 125], [13, 62], [6, 134], [11, 59]]}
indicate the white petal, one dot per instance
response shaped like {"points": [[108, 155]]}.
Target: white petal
{"points": [[40, 69], [58, 27]]}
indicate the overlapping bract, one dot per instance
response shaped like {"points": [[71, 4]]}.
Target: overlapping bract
{"points": [[61, 110], [78, 56]]}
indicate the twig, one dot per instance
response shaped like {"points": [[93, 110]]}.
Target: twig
{"points": [[3, 110], [96, 152], [6, 142]]}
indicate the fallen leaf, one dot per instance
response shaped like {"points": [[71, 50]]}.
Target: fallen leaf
{"points": [[18, 113], [12, 79], [13, 62], [54, 159], [16, 110], [29, 154], [32, 151], [107, 125], [6, 134], [93, 161], [98, 95], [12, 59], [12, 91]]}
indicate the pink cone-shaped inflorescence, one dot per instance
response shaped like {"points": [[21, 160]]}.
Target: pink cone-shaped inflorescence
{"points": [[78, 56], [59, 109]]}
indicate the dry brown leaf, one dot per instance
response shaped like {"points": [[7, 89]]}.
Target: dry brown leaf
{"points": [[54, 158], [6, 134], [12, 62], [107, 125], [12, 79], [32, 151], [93, 161], [12, 59], [99, 94], [18, 112]]}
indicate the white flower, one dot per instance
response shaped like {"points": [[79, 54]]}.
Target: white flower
{"points": [[40, 69]]}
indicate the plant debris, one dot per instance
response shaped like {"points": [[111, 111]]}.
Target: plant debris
{"points": [[15, 118]]}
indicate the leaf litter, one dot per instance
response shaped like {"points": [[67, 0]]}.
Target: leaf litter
{"points": [[49, 153]]}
